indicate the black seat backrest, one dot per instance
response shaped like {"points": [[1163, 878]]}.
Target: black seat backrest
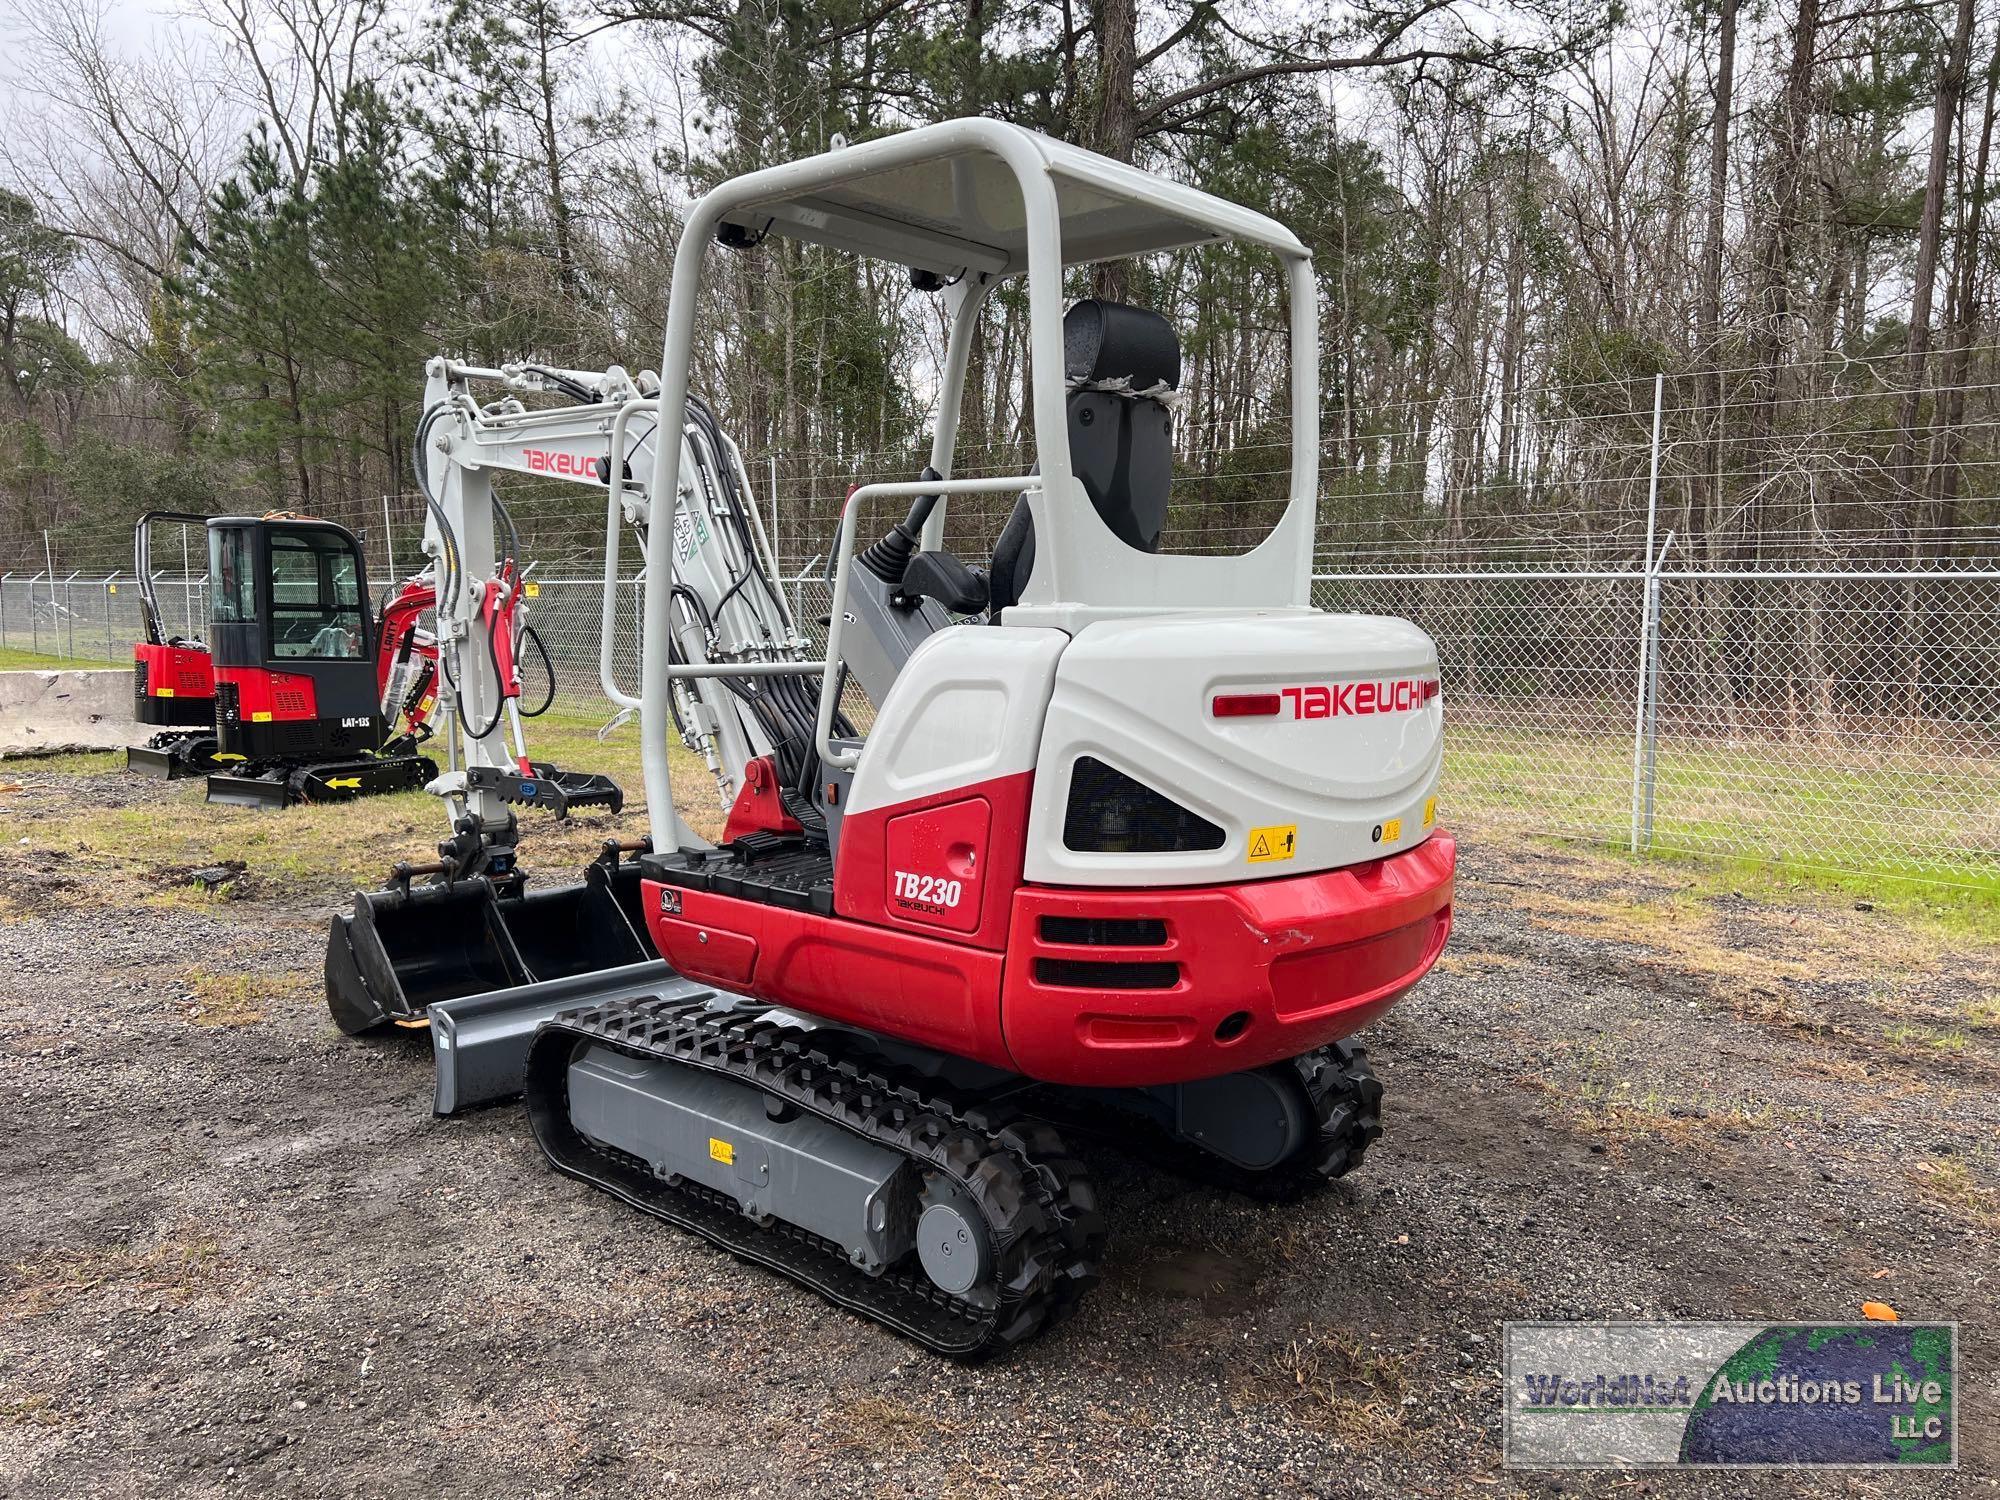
{"points": [[1119, 363]]}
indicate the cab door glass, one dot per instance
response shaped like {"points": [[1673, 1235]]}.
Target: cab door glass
{"points": [[315, 597], [234, 584]]}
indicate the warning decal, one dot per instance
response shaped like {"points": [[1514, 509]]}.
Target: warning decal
{"points": [[722, 1151], [1278, 842]]}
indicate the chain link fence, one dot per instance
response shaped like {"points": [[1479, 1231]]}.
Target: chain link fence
{"points": [[1832, 721], [1843, 723]]}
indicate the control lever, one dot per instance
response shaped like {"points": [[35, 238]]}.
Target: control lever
{"points": [[941, 576]]}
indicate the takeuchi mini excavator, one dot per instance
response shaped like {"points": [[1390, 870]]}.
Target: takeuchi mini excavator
{"points": [[300, 693], [1136, 840]]}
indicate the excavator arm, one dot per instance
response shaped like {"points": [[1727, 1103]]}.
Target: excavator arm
{"points": [[601, 434]]}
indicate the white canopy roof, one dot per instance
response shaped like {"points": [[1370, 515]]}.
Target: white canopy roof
{"points": [[961, 208]]}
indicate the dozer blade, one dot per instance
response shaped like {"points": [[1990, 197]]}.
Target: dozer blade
{"points": [[237, 789], [172, 755], [480, 1042], [408, 947], [149, 760]]}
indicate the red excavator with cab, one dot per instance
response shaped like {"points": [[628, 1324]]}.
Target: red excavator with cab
{"points": [[298, 694]]}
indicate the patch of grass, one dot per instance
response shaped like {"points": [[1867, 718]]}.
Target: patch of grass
{"points": [[1767, 953], [172, 1271], [1917, 1037], [14, 659], [35, 1409], [1340, 1384], [1960, 910], [22, 769], [1620, 1116], [1909, 830], [884, 1425], [1841, 1069], [232, 998], [322, 851], [1951, 1184], [1676, 928], [1984, 1015]]}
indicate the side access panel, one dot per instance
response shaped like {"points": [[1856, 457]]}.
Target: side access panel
{"points": [[933, 836]]}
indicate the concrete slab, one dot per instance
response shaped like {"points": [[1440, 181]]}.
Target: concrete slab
{"points": [[45, 713]]}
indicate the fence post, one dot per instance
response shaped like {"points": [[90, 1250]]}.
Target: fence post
{"points": [[1650, 777], [69, 610], [1639, 704], [1643, 722], [388, 541], [3, 605], [35, 620]]}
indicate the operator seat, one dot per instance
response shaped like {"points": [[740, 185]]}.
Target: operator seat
{"points": [[1122, 365]]}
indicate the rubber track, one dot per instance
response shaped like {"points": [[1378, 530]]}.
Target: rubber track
{"points": [[1340, 1090], [1039, 1205], [295, 778], [192, 749]]}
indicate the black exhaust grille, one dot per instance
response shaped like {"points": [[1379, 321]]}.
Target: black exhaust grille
{"points": [[1105, 932], [1110, 813], [1081, 974]]}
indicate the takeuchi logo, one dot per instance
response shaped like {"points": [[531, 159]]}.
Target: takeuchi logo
{"points": [[571, 465], [1397, 695]]}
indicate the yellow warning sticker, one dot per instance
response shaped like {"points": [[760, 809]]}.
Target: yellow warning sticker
{"points": [[163, 692], [260, 718], [1392, 830], [532, 590], [1430, 811], [722, 1151], [1281, 841]]}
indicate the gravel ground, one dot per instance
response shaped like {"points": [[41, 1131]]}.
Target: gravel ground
{"points": [[238, 1256]]}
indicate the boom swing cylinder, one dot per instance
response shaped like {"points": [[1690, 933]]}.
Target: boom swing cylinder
{"points": [[1085, 866]]}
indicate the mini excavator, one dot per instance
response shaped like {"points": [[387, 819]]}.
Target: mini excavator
{"points": [[298, 694], [1135, 841]]}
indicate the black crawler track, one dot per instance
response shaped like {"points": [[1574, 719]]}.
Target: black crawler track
{"points": [[282, 783], [1338, 1088], [1039, 1206]]}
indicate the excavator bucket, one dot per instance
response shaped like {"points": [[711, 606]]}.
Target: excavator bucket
{"points": [[495, 960]]}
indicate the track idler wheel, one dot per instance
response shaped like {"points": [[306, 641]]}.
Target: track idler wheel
{"points": [[1348, 1100], [1275, 1133]]}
